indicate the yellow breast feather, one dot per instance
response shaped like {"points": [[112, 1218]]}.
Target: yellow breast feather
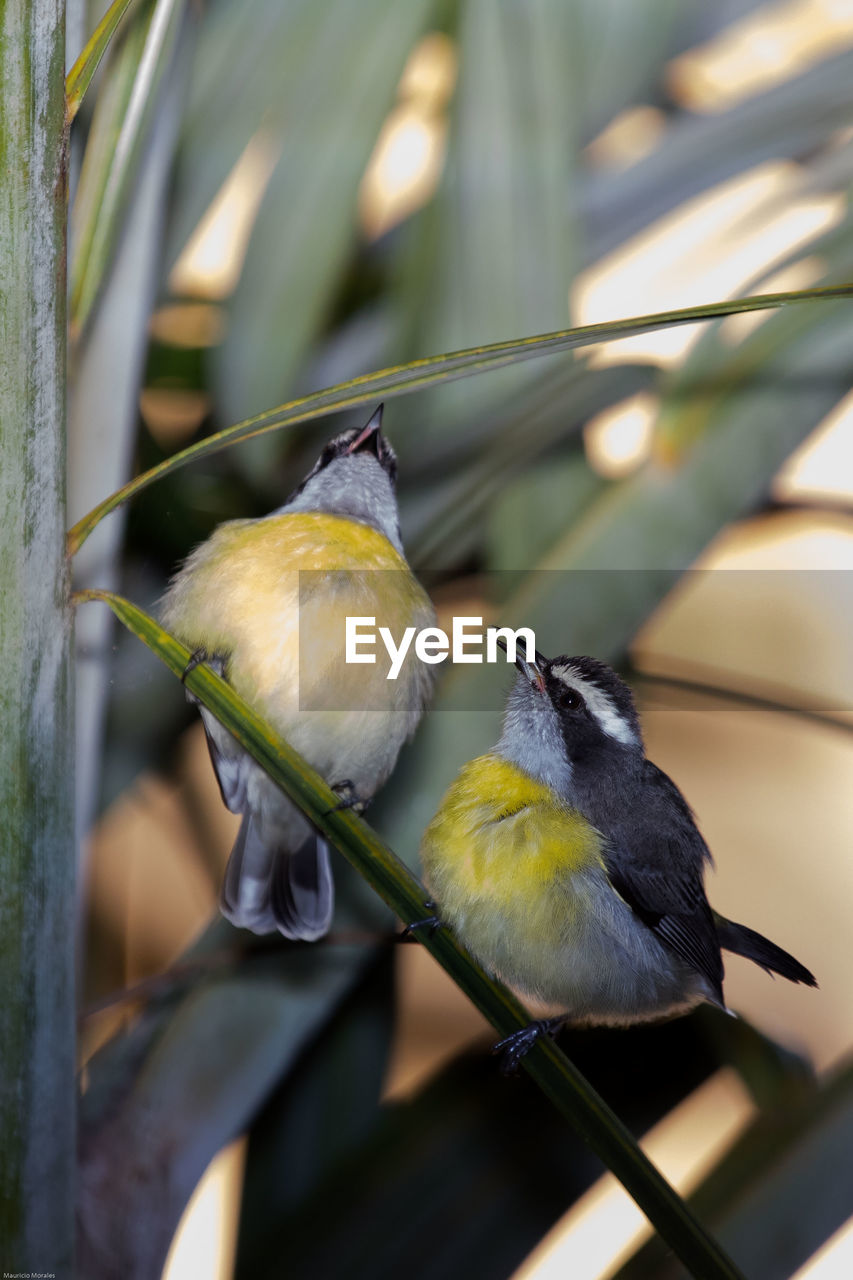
{"points": [[512, 870], [503, 838], [267, 565]]}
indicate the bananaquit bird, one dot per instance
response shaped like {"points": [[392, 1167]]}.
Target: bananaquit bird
{"points": [[265, 602], [571, 867]]}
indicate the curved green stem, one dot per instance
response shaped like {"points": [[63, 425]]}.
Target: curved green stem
{"points": [[570, 1092]]}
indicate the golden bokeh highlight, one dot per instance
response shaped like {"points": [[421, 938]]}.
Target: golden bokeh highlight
{"points": [[763, 49], [205, 1244], [631, 135], [619, 439], [604, 1227], [404, 169], [210, 264], [173, 414]]}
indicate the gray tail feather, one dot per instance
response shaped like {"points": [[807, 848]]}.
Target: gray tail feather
{"points": [[746, 942], [245, 890], [266, 888], [302, 893]]}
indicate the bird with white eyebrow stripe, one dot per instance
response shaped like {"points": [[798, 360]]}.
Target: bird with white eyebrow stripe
{"points": [[571, 866]]}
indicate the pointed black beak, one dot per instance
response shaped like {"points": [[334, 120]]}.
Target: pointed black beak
{"points": [[368, 437], [532, 670]]}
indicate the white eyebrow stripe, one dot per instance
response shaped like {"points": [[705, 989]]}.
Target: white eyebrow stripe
{"points": [[600, 704]]}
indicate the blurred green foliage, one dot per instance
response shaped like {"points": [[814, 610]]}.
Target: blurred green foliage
{"points": [[493, 477]]}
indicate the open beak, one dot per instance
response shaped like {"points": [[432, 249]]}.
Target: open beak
{"points": [[368, 437], [530, 670]]}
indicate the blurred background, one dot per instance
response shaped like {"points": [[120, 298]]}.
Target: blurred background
{"points": [[273, 197]]}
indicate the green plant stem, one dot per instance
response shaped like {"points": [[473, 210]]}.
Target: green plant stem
{"points": [[433, 370], [36, 758], [545, 1063], [80, 76]]}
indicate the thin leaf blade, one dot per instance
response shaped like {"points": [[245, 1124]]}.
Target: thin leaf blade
{"points": [[80, 76], [431, 371], [110, 164]]}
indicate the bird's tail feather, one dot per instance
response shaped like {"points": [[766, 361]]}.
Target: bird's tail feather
{"points": [[267, 889], [245, 889], [302, 893], [754, 946]]}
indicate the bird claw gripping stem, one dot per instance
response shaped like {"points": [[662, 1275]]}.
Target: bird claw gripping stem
{"points": [[350, 799], [198, 657], [515, 1046], [429, 922]]}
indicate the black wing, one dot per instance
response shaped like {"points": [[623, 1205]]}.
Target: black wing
{"points": [[655, 862]]}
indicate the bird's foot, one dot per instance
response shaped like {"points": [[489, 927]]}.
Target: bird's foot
{"points": [[429, 922], [514, 1047], [350, 799], [216, 661]]}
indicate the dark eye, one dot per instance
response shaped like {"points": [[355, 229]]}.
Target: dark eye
{"points": [[570, 700]]}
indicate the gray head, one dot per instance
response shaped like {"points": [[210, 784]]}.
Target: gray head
{"points": [[569, 721], [354, 476]]}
